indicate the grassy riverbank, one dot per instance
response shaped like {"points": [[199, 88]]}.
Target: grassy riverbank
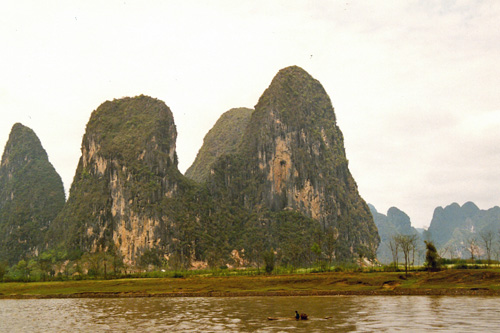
{"points": [[448, 282]]}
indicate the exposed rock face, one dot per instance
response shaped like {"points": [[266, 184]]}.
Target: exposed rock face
{"points": [[223, 138], [453, 227], [292, 158], [395, 222], [284, 186], [31, 195], [127, 170]]}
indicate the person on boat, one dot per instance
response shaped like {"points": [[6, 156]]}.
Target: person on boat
{"points": [[297, 316]]}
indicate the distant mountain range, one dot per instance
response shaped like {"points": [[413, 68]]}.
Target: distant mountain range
{"points": [[394, 223], [453, 229]]}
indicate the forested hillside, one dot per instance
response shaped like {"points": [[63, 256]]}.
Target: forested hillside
{"points": [[270, 186], [31, 195]]}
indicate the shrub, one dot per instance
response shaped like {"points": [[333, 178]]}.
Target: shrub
{"points": [[269, 261], [432, 261]]}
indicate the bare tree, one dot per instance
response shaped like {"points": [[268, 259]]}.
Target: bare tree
{"points": [[407, 244], [414, 248], [394, 246], [471, 246], [445, 249], [487, 237]]}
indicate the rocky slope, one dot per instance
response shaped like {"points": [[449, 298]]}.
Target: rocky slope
{"points": [[127, 170], [272, 181], [31, 195], [292, 158], [223, 138]]}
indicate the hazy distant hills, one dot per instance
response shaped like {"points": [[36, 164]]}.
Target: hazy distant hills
{"points": [[453, 227], [395, 222]]}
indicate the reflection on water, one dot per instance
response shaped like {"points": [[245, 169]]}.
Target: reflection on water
{"points": [[205, 314]]}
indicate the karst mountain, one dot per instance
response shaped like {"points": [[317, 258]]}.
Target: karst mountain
{"points": [[31, 195], [273, 179]]}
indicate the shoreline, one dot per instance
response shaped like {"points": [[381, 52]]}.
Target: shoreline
{"points": [[481, 282], [395, 292]]}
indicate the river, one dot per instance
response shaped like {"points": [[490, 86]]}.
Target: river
{"points": [[249, 314]]}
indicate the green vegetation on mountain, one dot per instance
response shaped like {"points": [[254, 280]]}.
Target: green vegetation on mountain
{"points": [[269, 188], [223, 138], [292, 158], [127, 170], [31, 195]]}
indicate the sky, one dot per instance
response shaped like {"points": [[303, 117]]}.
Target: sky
{"points": [[415, 84]]}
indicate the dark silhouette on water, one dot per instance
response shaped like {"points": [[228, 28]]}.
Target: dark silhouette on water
{"points": [[301, 316]]}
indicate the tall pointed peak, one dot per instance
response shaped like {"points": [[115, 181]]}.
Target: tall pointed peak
{"points": [[31, 195], [23, 145]]}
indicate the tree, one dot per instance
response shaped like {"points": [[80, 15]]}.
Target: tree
{"points": [[150, 258], [394, 246], [4, 265], [116, 258], [316, 250], [414, 248], [45, 263], [407, 243], [330, 243], [432, 262], [445, 249], [269, 261], [471, 246], [487, 237]]}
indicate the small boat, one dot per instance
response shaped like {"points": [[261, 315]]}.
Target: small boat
{"points": [[281, 318]]}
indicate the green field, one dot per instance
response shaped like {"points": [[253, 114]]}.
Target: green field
{"points": [[447, 282]]}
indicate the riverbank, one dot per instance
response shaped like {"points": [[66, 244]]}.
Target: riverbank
{"points": [[449, 282]]}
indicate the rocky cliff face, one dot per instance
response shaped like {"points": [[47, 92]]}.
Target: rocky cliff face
{"points": [[224, 138], [292, 158], [127, 170], [31, 195], [284, 185]]}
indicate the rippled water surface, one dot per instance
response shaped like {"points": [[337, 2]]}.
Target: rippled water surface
{"points": [[249, 314]]}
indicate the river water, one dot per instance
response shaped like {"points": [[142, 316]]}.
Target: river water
{"points": [[249, 314]]}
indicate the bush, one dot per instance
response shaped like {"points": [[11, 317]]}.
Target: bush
{"points": [[269, 261], [432, 260], [463, 265], [391, 268]]}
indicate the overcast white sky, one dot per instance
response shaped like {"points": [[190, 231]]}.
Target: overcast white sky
{"points": [[415, 84]]}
